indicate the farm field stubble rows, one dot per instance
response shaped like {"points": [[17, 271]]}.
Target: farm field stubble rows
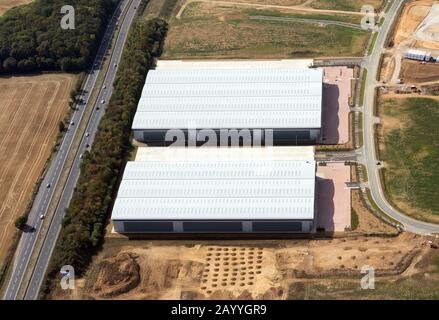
{"points": [[5, 5], [31, 108]]}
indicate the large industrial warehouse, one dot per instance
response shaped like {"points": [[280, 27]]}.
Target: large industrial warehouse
{"points": [[282, 98], [217, 190]]}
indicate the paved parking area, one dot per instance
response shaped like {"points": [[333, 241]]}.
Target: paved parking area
{"points": [[336, 93], [333, 197]]}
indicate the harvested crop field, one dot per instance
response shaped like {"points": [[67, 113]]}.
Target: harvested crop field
{"points": [[222, 31], [240, 269], [416, 72], [409, 144], [5, 5], [30, 110]]}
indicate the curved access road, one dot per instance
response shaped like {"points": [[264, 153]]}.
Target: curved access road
{"points": [[52, 178], [372, 64]]}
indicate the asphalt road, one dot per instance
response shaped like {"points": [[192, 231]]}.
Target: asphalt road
{"points": [[45, 193], [372, 64]]}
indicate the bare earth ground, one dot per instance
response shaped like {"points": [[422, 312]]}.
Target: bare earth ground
{"points": [[416, 72], [336, 93], [243, 269], [413, 15], [5, 5], [387, 68], [415, 29], [30, 110], [367, 222]]}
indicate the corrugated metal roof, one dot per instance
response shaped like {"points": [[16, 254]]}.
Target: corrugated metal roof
{"points": [[188, 104], [216, 189], [246, 89], [231, 98], [234, 76], [213, 208], [229, 120], [228, 170], [218, 154]]}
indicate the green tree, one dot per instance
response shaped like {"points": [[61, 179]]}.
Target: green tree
{"points": [[84, 221], [20, 222], [61, 126], [10, 64]]}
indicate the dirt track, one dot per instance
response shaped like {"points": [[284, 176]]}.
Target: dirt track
{"points": [[30, 110], [235, 269], [298, 8], [8, 4]]}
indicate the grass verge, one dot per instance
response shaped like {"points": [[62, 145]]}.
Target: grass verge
{"points": [[363, 86], [409, 146], [372, 43], [378, 210]]}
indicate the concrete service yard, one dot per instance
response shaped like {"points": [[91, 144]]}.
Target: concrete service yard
{"points": [[336, 93], [333, 197]]}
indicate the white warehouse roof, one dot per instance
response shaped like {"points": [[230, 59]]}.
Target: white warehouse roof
{"points": [[222, 154], [276, 183], [233, 64], [233, 97], [234, 76]]}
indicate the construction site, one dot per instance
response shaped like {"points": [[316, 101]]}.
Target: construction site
{"points": [[413, 54], [243, 269], [313, 266], [294, 219]]}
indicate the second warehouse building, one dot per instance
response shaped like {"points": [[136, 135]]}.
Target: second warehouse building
{"points": [[217, 190]]}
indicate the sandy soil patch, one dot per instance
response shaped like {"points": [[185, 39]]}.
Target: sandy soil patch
{"points": [[30, 110], [428, 30], [5, 5], [236, 269], [414, 14], [387, 68]]}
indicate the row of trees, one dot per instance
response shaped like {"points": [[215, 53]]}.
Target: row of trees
{"points": [[31, 37], [83, 225]]}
